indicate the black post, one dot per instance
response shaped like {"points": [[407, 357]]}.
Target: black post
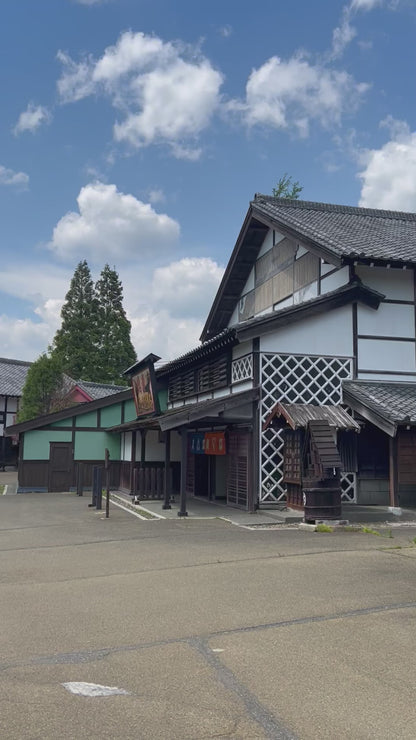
{"points": [[98, 471], [184, 460], [166, 473], [107, 483], [80, 479]]}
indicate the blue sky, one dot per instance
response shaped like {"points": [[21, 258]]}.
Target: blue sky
{"points": [[135, 132]]}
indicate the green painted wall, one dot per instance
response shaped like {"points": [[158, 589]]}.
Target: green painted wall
{"points": [[163, 399], [129, 411], [36, 443], [63, 422], [87, 420], [91, 445], [111, 415]]}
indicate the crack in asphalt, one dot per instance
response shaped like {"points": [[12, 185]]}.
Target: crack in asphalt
{"points": [[87, 656]]}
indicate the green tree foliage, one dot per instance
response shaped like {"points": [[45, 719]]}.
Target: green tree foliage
{"points": [[41, 392], [287, 188], [75, 343], [115, 350]]}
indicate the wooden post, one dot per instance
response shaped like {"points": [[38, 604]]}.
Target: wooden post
{"points": [[107, 483], [166, 473], [184, 462], [80, 479], [393, 473]]}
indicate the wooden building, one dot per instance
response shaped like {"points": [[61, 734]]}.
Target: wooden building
{"points": [[317, 307], [12, 379]]}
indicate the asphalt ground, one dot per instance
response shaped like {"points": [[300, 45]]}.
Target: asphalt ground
{"points": [[212, 630]]}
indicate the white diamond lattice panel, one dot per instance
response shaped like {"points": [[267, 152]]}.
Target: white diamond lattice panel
{"points": [[242, 369], [349, 488], [294, 379]]}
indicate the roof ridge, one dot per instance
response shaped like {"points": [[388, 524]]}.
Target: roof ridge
{"points": [[8, 361], [335, 208]]}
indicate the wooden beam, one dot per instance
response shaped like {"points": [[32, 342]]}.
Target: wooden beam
{"points": [[393, 472]]}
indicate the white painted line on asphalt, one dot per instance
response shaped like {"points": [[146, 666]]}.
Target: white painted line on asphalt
{"points": [[80, 688], [153, 513], [217, 650], [129, 511]]}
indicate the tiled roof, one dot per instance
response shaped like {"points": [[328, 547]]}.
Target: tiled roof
{"points": [[394, 402], [99, 390], [298, 415], [224, 339], [12, 376], [346, 231]]}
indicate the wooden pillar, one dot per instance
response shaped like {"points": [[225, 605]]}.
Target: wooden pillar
{"points": [[166, 473], [132, 460], [143, 446], [254, 479], [393, 473], [184, 463]]}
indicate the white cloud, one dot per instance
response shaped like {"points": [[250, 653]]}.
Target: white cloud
{"points": [[365, 4], [389, 175], [112, 225], [166, 92], [292, 94], [31, 119], [16, 179], [92, 2], [198, 279], [158, 332], [156, 195]]}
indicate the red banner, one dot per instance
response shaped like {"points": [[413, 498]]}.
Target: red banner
{"points": [[214, 443]]}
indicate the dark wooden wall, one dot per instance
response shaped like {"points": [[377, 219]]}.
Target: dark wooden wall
{"points": [[406, 466]]}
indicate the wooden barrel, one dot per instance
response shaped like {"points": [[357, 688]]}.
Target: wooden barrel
{"points": [[322, 503]]}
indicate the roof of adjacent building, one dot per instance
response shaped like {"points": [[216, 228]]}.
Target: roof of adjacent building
{"points": [[388, 405], [298, 416], [99, 390], [346, 231], [338, 234], [12, 376]]}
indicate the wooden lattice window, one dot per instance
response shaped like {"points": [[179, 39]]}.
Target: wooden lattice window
{"points": [[238, 469], [292, 460]]}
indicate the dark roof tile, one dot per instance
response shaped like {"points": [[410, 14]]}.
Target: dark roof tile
{"points": [[12, 376]]}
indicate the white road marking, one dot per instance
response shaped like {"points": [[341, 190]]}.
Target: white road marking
{"points": [[80, 688]]}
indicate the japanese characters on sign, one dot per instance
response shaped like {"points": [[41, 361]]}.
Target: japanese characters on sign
{"points": [[210, 443]]}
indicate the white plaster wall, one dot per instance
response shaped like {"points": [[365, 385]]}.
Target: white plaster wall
{"points": [[301, 251], [381, 355], [304, 294], [389, 378], [326, 267], [268, 242], [245, 348], [245, 385], [332, 282], [390, 320], [221, 392], [283, 304], [155, 450], [234, 317], [392, 283], [326, 334], [249, 283], [126, 446]]}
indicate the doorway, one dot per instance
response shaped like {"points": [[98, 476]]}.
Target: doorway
{"points": [[60, 466]]}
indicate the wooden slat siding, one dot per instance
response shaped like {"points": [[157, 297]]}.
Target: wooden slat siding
{"points": [[206, 377], [306, 270], [238, 469], [323, 440], [33, 473], [406, 457]]}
